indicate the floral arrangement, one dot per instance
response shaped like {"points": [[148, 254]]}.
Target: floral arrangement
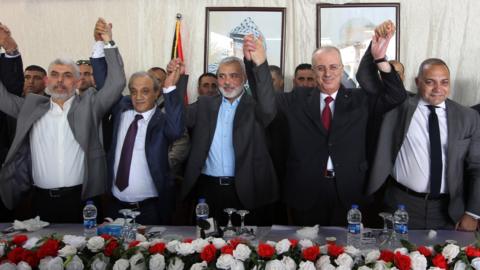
{"points": [[106, 252]]}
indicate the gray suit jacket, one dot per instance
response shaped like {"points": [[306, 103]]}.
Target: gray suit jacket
{"points": [[463, 153], [84, 117]]}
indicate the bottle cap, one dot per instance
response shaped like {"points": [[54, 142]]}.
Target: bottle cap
{"points": [[354, 206], [89, 202], [201, 200], [401, 207]]}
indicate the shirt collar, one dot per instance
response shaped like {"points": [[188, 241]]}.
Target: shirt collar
{"points": [[323, 95], [147, 114], [66, 105], [423, 103]]}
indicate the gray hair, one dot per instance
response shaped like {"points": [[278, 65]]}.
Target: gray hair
{"points": [[230, 60], [65, 62], [431, 62], [156, 85], [327, 48]]}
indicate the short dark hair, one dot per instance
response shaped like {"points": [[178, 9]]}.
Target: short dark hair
{"points": [[302, 66], [276, 69], [432, 62], [157, 68], [208, 74], [36, 68]]}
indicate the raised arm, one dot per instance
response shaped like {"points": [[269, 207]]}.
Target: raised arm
{"points": [[175, 124]]}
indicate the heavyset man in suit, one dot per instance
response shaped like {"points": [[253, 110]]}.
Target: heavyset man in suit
{"points": [[428, 155], [57, 150], [328, 133]]}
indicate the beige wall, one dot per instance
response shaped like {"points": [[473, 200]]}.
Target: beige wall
{"points": [[143, 29]]}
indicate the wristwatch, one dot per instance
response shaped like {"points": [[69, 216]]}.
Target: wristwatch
{"points": [[111, 43], [383, 59]]}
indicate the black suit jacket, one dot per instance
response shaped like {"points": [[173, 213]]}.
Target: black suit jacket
{"points": [[255, 179], [309, 143]]}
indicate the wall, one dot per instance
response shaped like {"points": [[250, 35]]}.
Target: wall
{"points": [[143, 29]]}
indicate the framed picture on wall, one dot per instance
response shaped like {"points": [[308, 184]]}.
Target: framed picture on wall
{"points": [[225, 28], [350, 27]]}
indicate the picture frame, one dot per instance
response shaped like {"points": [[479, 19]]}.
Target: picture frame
{"points": [[226, 26], [350, 28]]}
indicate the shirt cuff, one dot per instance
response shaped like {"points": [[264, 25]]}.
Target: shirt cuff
{"points": [[169, 89], [472, 215], [97, 50], [12, 56]]}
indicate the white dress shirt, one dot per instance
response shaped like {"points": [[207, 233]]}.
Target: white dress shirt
{"points": [[57, 158], [412, 166], [332, 109], [140, 184]]}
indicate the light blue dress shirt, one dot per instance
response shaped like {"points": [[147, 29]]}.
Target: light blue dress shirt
{"points": [[221, 156]]}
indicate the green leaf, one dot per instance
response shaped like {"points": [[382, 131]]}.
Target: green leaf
{"points": [[406, 244]]}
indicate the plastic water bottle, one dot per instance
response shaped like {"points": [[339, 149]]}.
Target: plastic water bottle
{"points": [[400, 224], [89, 220], [201, 211], [354, 219]]}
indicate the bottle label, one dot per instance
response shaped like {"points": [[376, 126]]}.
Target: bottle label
{"points": [[354, 228], [89, 223], [401, 228]]}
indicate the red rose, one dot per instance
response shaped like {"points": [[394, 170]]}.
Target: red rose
{"points": [[424, 251], [30, 257], [386, 256], [208, 253], [106, 237], [228, 249], [157, 248], [110, 247], [440, 261], [402, 262], [49, 248], [188, 240], [133, 243], [15, 256], [311, 253], [234, 242], [266, 251], [293, 242], [334, 250], [472, 252], [20, 239]]}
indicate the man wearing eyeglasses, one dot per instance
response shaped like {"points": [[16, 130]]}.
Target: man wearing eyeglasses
{"points": [[328, 136]]}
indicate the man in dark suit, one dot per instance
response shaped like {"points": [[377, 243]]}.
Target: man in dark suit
{"points": [[229, 162], [428, 155], [57, 150], [149, 186], [328, 134]]}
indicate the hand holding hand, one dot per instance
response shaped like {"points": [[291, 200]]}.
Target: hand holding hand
{"points": [[174, 69], [383, 34], [102, 31], [6, 40], [254, 50]]}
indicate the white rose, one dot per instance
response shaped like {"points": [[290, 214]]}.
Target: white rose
{"points": [[324, 249], [199, 244], [185, 249], [43, 264], [238, 265], [419, 262], [242, 252], [75, 264], [476, 263], [219, 243], [308, 265], [435, 268], [176, 264], [95, 244], [283, 246], [327, 266], [450, 252], [372, 256], [67, 250], [289, 263], [172, 245], [24, 266], [402, 250], [77, 241], [271, 243], [2, 249], [325, 259], [121, 264], [305, 243], [344, 260], [352, 251], [459, 265], [275, 265], [380, 265], [144, 245], [364, 267], [225, 261], [8, 266], [55, 264], [199, 266], [157, 262], [343, 267], [31, 242], [140, 237], [100, 263], [137, 262]]}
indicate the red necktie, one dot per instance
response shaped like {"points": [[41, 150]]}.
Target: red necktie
{"points": [[123, 172], [327, 113]]}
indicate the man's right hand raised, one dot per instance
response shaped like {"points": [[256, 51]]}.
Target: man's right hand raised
{"points": [[174, 69]]}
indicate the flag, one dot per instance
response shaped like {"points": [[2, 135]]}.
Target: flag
{"points": [[177, 50]]}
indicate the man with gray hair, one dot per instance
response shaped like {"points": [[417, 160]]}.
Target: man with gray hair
{"points": [[229, 163], [57, 151]]}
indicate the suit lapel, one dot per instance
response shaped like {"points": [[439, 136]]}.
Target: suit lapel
{"points": [[241, 112], [313, 110], [214, 108], [453, 129], [342, 107], [153, 123]]}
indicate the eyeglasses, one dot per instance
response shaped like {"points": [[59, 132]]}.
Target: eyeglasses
{"points": [[83, 62], [333, 68]]}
